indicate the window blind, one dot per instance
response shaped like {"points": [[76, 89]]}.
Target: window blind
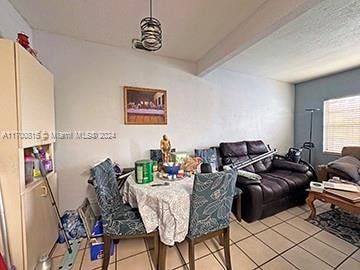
{"points": [[341, 123]]}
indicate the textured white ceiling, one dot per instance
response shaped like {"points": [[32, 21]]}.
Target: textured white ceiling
{"points": [[323, 40], [191, 27]]}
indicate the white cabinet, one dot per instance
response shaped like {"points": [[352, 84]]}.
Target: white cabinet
{"points": [[39, 219], [26, 105], [35, 93]]}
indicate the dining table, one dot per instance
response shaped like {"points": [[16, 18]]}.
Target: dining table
{"points": [[163, 204]]}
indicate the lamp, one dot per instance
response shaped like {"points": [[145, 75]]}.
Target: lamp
{"points": [[151, 34]]}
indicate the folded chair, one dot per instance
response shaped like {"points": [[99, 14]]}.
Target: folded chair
{"points": [[210, 210], [120, 221]]}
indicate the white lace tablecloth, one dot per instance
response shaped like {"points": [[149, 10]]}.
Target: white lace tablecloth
{"points": [[164, 207]]}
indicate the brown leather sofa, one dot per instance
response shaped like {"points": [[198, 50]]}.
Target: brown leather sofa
{"points": [[282, 186], [353, 151]]}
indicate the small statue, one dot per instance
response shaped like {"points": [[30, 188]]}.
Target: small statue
{"points": [[165, 146]]}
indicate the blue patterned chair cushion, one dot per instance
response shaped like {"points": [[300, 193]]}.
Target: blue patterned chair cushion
{"points": [[208, 156], [211, 202], [118, 218]]}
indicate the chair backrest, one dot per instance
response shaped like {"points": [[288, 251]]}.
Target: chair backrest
{"points": [[211, 202], [156, 154], [208, 155], [106, 187]]}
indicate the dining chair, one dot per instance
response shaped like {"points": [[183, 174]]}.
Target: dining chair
{"points": [[210, 209], [120, 221]]}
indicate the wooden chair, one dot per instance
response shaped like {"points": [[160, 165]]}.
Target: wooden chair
{"points": [[210, 210], [120, 221]]}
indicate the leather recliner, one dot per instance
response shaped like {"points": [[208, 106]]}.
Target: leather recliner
{"points": [[283, 184]]}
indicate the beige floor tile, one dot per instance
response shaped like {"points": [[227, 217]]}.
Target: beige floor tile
{"points": [[284, 215], [112, 266], [304, 215], [129, 247], [335, 242], [213, 244], [254, 227], [60, 249], [209, 263], [290, 232], [323, 251], [278, 263], [303, 225], [350, 264], [296, 210], [239, 260], [201, 250], [256, 250], [320, 210], [183, 267], [305, 207], [318, 203], [356, 255], [304, 260], [271, 221], [326, 206], [237, 232], [173, 258], [57, 261], [137, 262], [276, 241], [88, 264]]}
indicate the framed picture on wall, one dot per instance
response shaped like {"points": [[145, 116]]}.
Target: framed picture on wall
{"points": [[145, 106]]}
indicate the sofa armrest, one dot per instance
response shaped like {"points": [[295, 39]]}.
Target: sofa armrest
{"points": [[288, 165], [251, 199]]}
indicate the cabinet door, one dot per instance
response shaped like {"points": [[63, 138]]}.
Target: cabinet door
{"points": [[35, 86], [39, 222]]}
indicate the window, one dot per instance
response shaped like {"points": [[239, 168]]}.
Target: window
{"points": [[341, 123]]}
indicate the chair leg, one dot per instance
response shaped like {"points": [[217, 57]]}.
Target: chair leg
{"points": [[156, 249], [221, 240], [107, 246], [227, 248], [162, 256], [191, 254]]}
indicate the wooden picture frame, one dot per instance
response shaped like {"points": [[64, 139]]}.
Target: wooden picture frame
{"points": [[145, 106]]}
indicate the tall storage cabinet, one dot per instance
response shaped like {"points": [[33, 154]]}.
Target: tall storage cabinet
{"points": [[27, 119]]}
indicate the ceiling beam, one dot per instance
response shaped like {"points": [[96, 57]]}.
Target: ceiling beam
{"points": [[268, 18]]}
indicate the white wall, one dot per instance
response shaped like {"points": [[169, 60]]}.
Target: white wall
{"points": [[202, 112], [11, 22]]}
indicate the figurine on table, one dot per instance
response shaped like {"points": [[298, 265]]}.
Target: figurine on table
{"points": [[165, 146]]}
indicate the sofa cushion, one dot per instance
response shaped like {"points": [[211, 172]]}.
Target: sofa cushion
{"points": [[289, 165], [281, 183], [236, 152]]}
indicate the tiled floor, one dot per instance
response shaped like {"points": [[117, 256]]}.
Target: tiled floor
{"points": [[281, 242]]}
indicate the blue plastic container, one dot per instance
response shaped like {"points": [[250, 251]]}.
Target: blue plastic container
{"points": [[97, 246]]}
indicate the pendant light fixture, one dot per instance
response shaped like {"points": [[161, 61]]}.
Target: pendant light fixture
{"points": [[151, 34]]}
